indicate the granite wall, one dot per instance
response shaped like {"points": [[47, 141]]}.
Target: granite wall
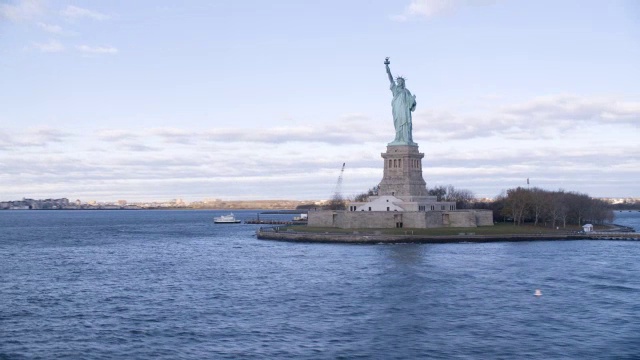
{"points": [[406, 219]]}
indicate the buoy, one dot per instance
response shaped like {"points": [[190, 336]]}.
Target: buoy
{"points": [[538, 292]]}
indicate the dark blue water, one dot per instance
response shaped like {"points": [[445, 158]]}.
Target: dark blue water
{"points": [[172, 285]]}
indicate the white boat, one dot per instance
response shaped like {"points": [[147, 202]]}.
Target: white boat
{"points": [[226, 219], [302, 217]]}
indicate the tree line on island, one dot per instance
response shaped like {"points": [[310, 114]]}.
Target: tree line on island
{"points": [[537, 206], [532, 206]]}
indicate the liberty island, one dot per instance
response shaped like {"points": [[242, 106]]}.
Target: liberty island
{"points": [[403, 202]]}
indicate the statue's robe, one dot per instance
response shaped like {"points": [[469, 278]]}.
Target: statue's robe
{"points": [[402, 105]]}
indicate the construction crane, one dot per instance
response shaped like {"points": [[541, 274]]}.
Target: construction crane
{"points": [[337, 202]]}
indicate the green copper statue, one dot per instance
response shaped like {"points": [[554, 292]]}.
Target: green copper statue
{"points": [[402, 105]]}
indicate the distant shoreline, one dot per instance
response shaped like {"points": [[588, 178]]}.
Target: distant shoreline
{"points": [[65, 204], [263, 211]]}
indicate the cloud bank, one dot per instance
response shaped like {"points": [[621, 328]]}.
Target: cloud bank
{"points": [[542, 117], [484, 152]]}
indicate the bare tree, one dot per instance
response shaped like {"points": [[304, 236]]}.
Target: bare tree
{"points": [[516, 204], [553, 207], [336, 203], [462, 197], [538, 204], [365, 195]]}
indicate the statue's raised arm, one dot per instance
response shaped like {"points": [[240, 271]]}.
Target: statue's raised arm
{"points": [[386, 63]]}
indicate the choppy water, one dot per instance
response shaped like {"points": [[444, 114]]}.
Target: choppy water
{"points": [[172, 285]]}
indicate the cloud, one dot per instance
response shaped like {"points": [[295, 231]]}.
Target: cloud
{"points": [[124, 140], [115, 135], [53, 46], [425, 8], [542, 117], [570, 107], [430, 8], [349, 129], [280, 135], [33, 137], [6, 141], [74, 12], [22, 11], [167, 135], [53, 29], [175, 136], [138, 147], [46, 135], [545, 156], [30, 11], [96, 50]]}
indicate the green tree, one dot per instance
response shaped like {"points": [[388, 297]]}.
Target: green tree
{"points": [[439, 191]]}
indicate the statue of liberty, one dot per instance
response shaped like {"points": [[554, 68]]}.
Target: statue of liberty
{"points": [[402, 105]]}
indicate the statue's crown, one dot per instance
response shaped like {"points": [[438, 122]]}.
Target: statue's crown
{"points": [[401, 78]]}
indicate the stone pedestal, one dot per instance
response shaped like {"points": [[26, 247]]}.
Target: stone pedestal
{"points": [[403, 173]]}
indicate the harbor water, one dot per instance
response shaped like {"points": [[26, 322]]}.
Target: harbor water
{"points": [[174, 285]]}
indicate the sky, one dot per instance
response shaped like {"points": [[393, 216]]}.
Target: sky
{"points": [[153, 100]]}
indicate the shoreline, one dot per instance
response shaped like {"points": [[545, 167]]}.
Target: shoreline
{"points": [[306, 237]]}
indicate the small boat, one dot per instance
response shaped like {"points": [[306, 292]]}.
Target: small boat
{"points": [[226, 219], [302, 217]]}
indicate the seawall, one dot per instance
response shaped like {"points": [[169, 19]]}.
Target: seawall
{"points": [[424, 239]]}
